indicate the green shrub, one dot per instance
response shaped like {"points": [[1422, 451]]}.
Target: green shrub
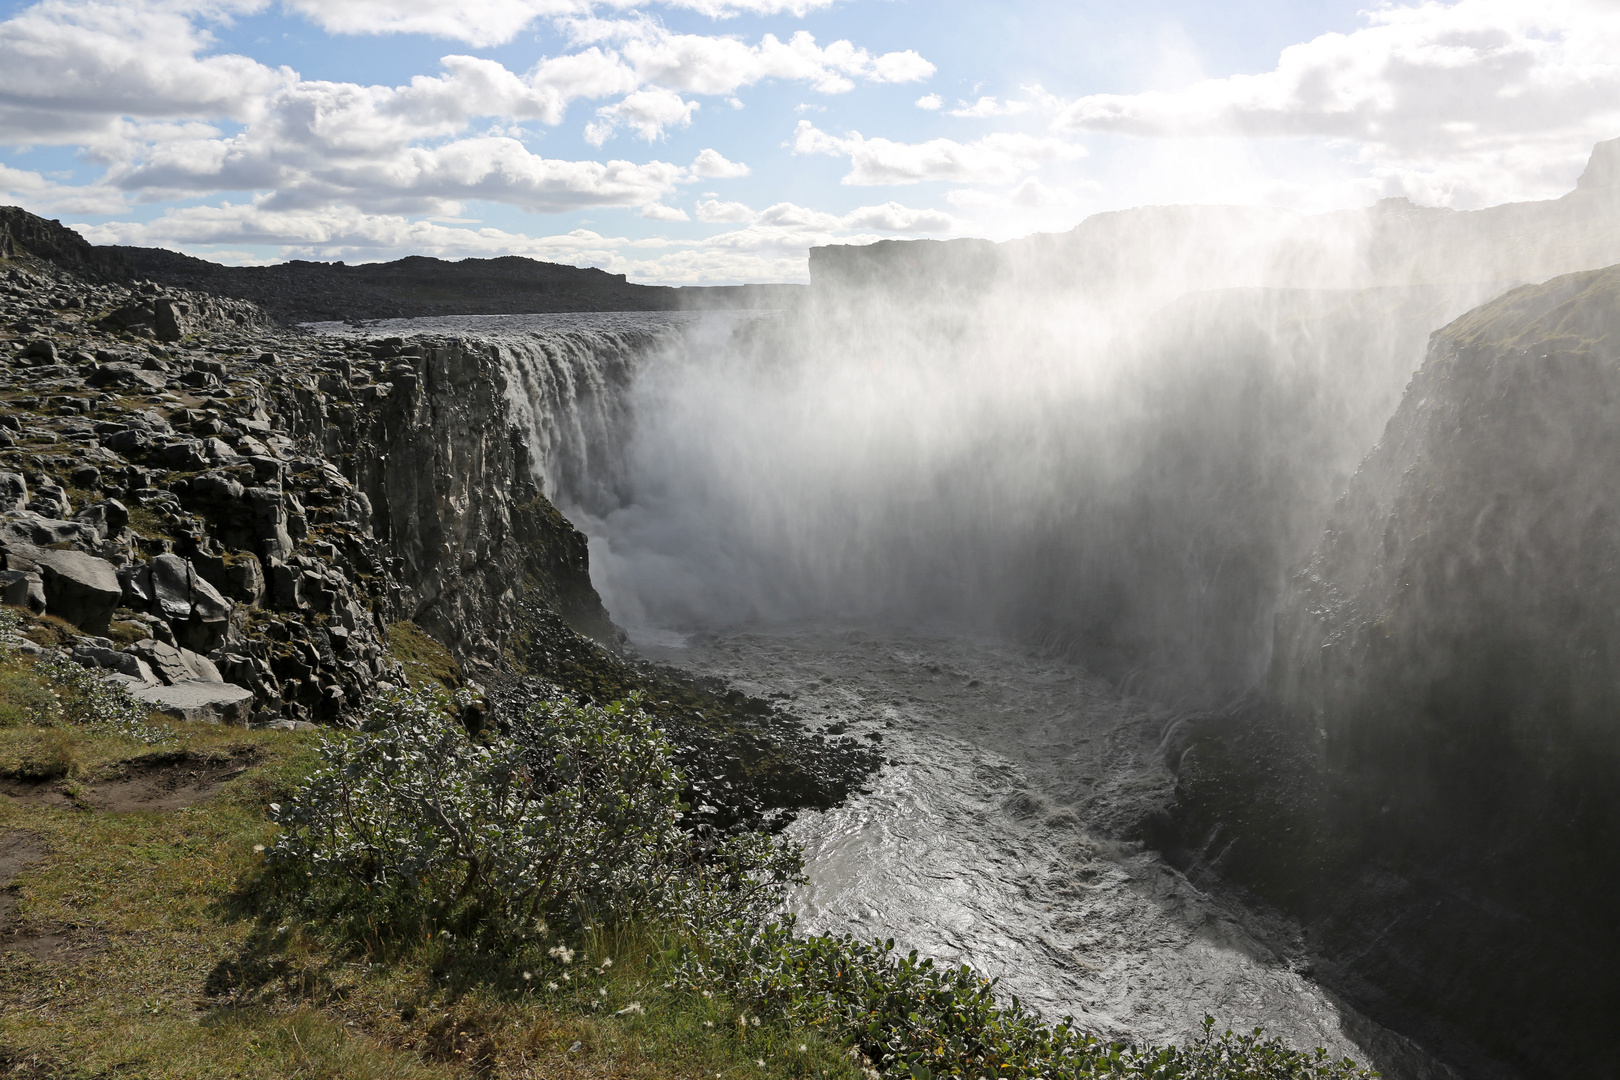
{"points": [[412, 829], [64, 692], [912, 1018], [25, 698], [412, 826]]}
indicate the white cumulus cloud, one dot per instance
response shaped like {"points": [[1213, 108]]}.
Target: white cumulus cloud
{"points": [[998, 157], [716, 212], [989, 106], [483, 23], [647, 112], [714, 65], [712, 164], [1461, 104], [660, 212]]}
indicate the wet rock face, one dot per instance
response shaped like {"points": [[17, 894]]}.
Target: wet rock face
{"points": [[1442, 727]]}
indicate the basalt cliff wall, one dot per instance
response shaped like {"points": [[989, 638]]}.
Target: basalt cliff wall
{"points": [[1429, 778]]}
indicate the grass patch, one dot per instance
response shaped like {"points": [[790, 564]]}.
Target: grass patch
{"points": [[145, 523], [169, 973], [48, 630], [426, 661]]}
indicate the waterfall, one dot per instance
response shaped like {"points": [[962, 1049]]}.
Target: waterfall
{"points": [[568, 391]]}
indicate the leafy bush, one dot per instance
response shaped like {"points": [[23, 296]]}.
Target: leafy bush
{"points": [[911, 1018], [411, 825], [54, 690]]}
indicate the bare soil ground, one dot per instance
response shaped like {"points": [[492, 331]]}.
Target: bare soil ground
{"points": [[167, 781]]}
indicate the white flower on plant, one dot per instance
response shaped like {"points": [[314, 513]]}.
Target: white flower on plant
{"points": [[563, 953], [553, 987], [632, 1009]]}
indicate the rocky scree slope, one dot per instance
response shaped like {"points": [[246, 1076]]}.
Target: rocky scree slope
{"points": [[1431, 779]]}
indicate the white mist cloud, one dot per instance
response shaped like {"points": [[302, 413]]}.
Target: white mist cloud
{"points": [[930, 102], [998, 157]]}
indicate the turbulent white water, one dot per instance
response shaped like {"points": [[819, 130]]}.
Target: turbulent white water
{"points": [[989, 838]]}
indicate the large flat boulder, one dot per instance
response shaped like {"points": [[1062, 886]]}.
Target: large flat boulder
{"points": [[199, 700]]}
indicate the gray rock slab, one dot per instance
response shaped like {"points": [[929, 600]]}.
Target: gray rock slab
{"points": [[174, 665], [80, 588], [199, 700]]}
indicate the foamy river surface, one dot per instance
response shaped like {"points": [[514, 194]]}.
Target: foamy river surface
{"points": [[989, 837]]}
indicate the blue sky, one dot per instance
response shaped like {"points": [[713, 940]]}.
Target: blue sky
{"points": [[702, 141]]}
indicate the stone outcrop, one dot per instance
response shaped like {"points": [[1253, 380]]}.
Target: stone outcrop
{"points": [[1439, 728]]}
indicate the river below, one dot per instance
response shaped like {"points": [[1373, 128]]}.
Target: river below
{"points": [[994, 836]]}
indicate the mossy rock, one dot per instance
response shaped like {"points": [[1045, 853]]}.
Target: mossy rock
{"points": [[425, 660], [49, 631]]}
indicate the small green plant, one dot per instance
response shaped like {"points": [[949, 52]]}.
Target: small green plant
{"points": [[54, 690]]}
